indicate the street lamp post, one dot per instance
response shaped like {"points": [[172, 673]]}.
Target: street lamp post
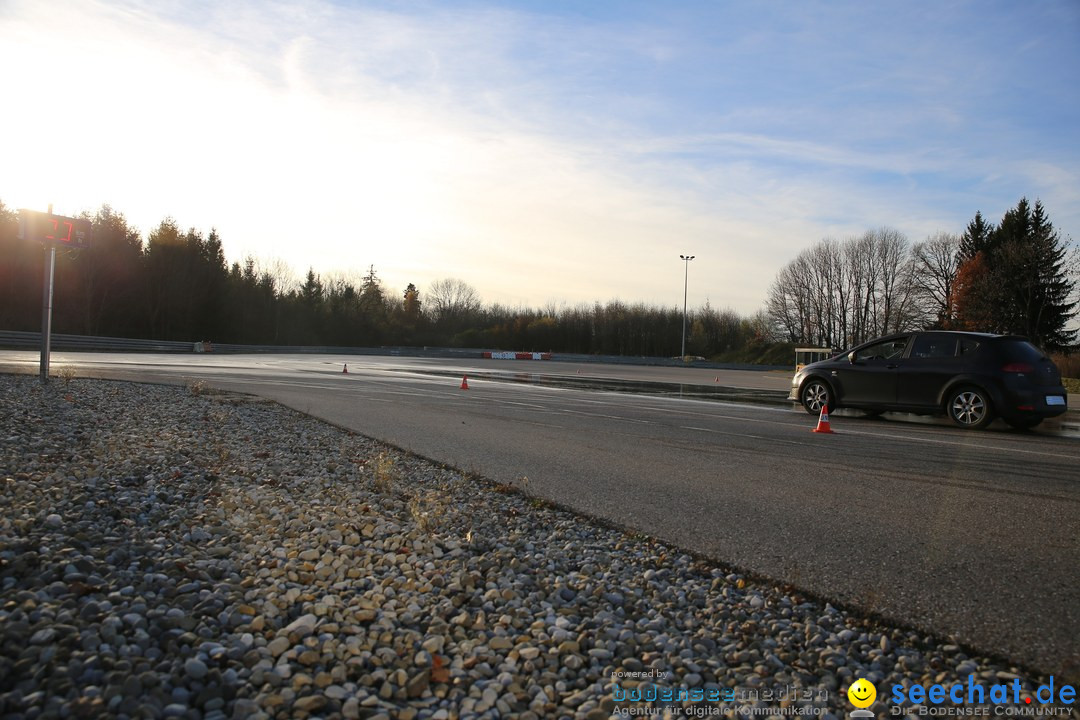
{"points": [[686, 275]]}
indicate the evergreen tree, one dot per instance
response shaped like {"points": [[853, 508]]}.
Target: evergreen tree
{"points": [[411, 304], [106, 278], [975, 239], [312, 290], [371, 294], [1017, 281], [1037, 280]]}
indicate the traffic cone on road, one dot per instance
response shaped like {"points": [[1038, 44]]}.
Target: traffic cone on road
{"points": [[823, 421], [465, 382], [345, 369]]}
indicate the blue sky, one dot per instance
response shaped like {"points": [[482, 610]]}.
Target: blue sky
{"points": [[554, 152]]}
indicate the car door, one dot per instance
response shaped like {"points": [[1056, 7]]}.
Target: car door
{"points": [[931, 364], [869, 378]]}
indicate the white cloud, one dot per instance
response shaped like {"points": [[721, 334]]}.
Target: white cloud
{"points": [[535, 157]]}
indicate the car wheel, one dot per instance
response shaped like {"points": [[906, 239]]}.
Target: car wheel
{"points": [[1023, 423], [816, 394], [969, 408]]}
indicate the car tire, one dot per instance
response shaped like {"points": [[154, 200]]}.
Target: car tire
{"points": [[816, 394], [970, 408], [1023, 423]]}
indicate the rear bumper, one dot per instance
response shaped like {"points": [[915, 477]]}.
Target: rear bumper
{"points": [[1043, 402]]}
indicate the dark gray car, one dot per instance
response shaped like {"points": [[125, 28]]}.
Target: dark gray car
{"points": [[971, 377]]}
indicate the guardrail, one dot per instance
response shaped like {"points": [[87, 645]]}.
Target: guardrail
{"points": [[15, 340], [32, 341]]}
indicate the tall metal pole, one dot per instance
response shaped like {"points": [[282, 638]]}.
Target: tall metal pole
{"points": [[686, 276], [46, 308]]}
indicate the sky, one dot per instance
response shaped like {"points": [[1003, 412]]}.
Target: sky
{"points": [[547, 153]]}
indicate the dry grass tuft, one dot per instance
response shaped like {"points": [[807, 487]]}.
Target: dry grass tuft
{"points": [[427, 511], [385, 474]]}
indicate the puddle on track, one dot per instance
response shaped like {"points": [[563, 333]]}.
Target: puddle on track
{"points": [[1067, 425]]}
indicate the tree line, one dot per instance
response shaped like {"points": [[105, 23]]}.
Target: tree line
{"points": [[177, 285], [1014, 277]]}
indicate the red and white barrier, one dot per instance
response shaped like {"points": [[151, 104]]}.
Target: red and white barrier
{"points": [[516, 356]]}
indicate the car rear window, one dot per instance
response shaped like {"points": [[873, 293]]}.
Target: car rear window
{"points": [[1021, 351]]}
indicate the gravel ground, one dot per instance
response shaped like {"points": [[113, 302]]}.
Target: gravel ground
{"points": [[170, 552]]}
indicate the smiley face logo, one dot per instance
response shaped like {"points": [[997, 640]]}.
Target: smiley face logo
{"points": [[862, 693]]}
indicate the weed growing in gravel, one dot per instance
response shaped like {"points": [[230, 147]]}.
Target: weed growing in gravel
{"points": [[386, 474], [66, 374], [427, 510], [534, 500], [521, 487], [196, 387]]}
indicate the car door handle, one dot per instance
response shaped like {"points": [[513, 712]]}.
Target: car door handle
{"points": [[891, 367]]}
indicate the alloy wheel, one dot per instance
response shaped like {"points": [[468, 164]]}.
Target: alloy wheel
{"points": [[969, 409], [815, 396]]}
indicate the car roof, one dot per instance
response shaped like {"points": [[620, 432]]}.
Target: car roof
{"points": [[968, 333], [964, 333]]}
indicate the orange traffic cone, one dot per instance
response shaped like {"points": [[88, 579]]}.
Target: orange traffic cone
{"points": [[823, 421], [345, 369], [465, 382]]}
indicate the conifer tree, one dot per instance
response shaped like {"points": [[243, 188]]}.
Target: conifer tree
{"points": [[1014, 278], [976, 238]]}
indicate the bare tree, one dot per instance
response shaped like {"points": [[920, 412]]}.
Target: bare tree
{"points": [[837, 294], [860, 277], [278, 274], [892, 253], [934, 274], [452, 301]]}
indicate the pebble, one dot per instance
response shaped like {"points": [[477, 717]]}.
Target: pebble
{"points": [[195, 669], [217, 556]]}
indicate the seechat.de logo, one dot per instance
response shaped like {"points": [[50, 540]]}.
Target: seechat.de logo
{"points": [[1005, 699]]}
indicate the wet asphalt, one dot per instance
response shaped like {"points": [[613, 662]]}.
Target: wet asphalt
{"points": [[971, 536]]}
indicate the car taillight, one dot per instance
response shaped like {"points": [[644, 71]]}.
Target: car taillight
{"points": [[1018, 368]]}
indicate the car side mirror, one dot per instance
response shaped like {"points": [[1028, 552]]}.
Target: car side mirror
{"points": [[851, 357]]}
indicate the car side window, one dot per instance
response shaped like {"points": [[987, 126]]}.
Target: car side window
{"points": [[968, 347], [888, 350], [928, 347]]}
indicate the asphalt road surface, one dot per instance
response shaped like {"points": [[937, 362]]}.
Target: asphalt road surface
{"points": [[973, 536]]}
